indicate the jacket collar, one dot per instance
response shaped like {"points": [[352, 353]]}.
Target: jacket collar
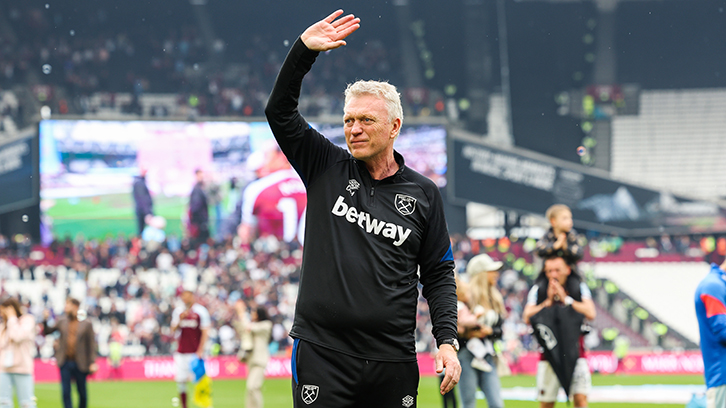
{"points": [[396, 156], [716, 269]]}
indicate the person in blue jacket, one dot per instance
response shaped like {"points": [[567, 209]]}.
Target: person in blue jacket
{"points": [[711, 313]]}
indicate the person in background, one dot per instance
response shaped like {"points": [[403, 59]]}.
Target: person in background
{"points": [[17, 341], [466, 324], [558, 285], [478, 367], [154, 234], [75, 352], [710, 299], [257, 329], [142, 198], [193, 322], [275, 203], [561, 240], [213, 190], [199, 210]]}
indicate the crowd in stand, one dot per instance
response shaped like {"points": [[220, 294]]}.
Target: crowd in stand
{"points": [[134, 308], [77, 62], [129, 288]]}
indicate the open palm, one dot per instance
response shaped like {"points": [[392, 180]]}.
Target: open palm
{"points": [[328, 34]]}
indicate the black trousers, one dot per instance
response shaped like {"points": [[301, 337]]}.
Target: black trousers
{"points": [[140, 222], [69, 370], [324, 378]]}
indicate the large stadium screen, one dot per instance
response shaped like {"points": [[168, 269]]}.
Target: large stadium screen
{"points": [[87, 167]]}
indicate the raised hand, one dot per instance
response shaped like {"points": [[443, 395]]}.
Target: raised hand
{"points": [[561, 242], [328, 34], [558, 290]]}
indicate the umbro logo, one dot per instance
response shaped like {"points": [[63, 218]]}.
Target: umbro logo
{"points": [[408, 401], [309, 393], [353, 186]]}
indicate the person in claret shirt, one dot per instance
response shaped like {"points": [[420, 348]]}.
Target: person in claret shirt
{"points": [[275, 203], [192, 322], [557, 285]]}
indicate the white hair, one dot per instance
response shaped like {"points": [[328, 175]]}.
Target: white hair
{"points": [[382, 90]]}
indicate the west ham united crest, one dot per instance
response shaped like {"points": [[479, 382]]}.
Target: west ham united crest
{"points": [[309, 393], [405, 204]]}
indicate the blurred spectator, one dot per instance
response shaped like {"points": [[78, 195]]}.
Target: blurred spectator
{"points": [[710, 299], [199, 210], [256, 328], [142, 199], [561, 240], [478, 358], [17, 343], [75, 353], [191, 320]]}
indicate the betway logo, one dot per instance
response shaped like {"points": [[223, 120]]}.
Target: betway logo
{"points": [[370, 225]]}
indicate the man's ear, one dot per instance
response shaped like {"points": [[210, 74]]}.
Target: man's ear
{"points": [[395, 128]]}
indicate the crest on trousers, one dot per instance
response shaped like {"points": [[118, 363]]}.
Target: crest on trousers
{"points": [[405, 204], [310, 393]]}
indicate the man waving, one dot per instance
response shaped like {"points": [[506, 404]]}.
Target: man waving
{"points": [[374, 229]]}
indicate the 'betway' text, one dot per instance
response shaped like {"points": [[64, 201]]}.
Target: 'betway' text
{"points": [[370, 225]]}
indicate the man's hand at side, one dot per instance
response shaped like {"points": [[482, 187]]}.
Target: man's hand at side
{"points": [[446, 358], [328, 34]]}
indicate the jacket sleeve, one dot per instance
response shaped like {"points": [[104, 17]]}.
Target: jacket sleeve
{"points": [[713, 302], [575, 246], [717, 324], [47, 329], [309, 152], [545, 246], [261, 327], [93, 352], [20, 330], [240, 325], [436, 263]]}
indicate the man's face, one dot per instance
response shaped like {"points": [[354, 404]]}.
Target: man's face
{"points": [[275, 160], [556, 268], [187, 297], [368, 131], [71, 309], [562, 221]]}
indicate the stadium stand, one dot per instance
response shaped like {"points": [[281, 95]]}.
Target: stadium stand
{"points": [[675, 143], [673, 304], [87, 61]]}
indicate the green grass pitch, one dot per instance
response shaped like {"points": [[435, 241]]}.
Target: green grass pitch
{"points": [[230, 393]]}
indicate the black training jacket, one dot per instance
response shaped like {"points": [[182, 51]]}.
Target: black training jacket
{"points": [[365, 240]]}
